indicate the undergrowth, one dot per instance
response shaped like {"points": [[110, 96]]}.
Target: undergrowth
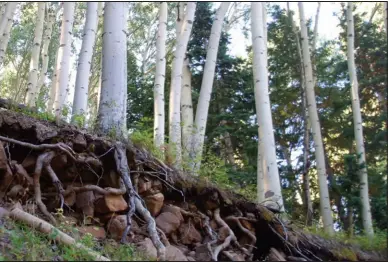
{"points": [[20, 242]]}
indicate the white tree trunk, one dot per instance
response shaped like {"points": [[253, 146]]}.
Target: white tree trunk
{"points": [[385, 11], [9, 11], [325, 207], [46, 43], [5, 28], [207, 85], [179, 19], [266, 133], [315, 36], [32, 84], [52, 91], [358, 132], [111, 116], [160, 78], [80, 102], [187, 114], [175, 146], [62, 86]]}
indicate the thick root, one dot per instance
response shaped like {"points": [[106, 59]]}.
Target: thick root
{"points": [[246, 231], [227, 240], [47, 228]]}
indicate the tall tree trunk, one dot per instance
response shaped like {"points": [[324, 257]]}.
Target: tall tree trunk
{"points": [[111, 115], [46, 43], [175, 146], [32, 85], [315, 36], [358, 132], [52, 91], [187, 114], [229, 150], [160, 78], [308, 205], [62, 86], [5, 33], [385, 11], [9, 11], [80, 102], [316, 128], [207, 85], [272, 186]]}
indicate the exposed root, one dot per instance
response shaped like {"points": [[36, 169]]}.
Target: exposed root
{"points": [[42, 161], [209, 230], [134, 201], [97, 189], [274, 255], [46, 228], [57, 184], [246, 231]]}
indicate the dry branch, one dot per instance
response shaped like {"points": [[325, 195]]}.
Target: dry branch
{"points": [[47, 228]]}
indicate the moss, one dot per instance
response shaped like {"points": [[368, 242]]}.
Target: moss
{"points": [[345, 253]]}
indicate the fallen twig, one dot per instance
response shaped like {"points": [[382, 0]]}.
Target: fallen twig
{"points": [[47, 228]]}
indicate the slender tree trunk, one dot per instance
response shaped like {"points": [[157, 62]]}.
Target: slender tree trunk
{"points": [[207, 85], [111, 115], [357, 119], [9, 11], [316, 128], [175, 146], [32, 85], [306, 126], [46, 43], [62, 87], [160, 78], [80, 102], [315, 44], [229, 150], [187, 114], [5, 28], [385, 11], [50, 102], [266, 135]]}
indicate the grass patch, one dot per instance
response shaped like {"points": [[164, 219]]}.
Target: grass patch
{"points": [[20, 242]]}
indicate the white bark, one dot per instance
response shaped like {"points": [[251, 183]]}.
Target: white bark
{"points": [[187, 112], [5, 28], [325, 207], [5, 38], [175, 90], [62, 87], [52, 91], [385, 11], [358, 130], [9, 11], [111, 115], [160, 77], [266, 134], [32, 84], [179, 19], [315, 36], [207, 85], [46, 43], [80, 102]]}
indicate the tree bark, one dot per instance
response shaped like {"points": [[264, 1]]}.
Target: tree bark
{"points": [[111, 115], [80, 102], [207, 85], [385, 11], [272, 188], [358, 130], [315, 36], [5, 33], [32, 86], [160, 78], [62, 87], [316, 128], [187, 115], [175, 146], [306, 126]]}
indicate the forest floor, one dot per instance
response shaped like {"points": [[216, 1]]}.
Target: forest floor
{"points": [[66, 194]]}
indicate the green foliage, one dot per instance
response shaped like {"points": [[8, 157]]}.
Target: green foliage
{"points": [[145, 140]]}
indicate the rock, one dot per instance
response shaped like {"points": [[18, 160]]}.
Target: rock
{"points": [[223, 233], [144, 185], [191, 254], [248, 225], [154, 203], [147, 247], [29, 163], [79, 143], [157, 185], [70, 199], [117, 225], [213, 224], [174, 254], [3, 212], [173, 209], [183, 248], [97, 232], [235, 256], [168, 222], [110, 203], [59, 162], [190, 259], [189, 234], [84, 202], [202, 253]]}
